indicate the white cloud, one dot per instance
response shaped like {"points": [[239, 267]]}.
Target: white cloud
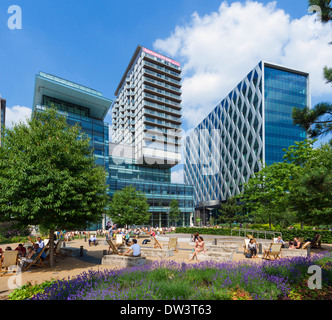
{"points": [[218, 50], [177, 176], [17, 114]]}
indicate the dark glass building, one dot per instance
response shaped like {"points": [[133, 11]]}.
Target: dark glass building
{"points": [[80, 105], [154, 182]]}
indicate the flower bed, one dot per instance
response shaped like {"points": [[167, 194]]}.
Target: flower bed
{"points": [[166, 280]]}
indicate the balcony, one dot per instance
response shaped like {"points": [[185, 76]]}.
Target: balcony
{"points": [[161, 107], [159, 76], [160, 99], [162, 115], [162, 85], [162, 92], [165, 70]]}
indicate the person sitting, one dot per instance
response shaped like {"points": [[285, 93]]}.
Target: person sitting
{"points": [[135, 248], [195, 236], [199, 247], [92, 239], [30, 256], [296, 244], [38, 249], [252, 247], [279, 240], [21, 250], [127, 237], [40, 242]]}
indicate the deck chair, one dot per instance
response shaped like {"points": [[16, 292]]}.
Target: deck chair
{"points": [[274, 251], [10, 259], [173, 244], [119, 240], [112, 247], [31, 240], [316, 243], [36, 261], [46, 242], [57, 249], [304, 246], [156, 243], [246, 242]]}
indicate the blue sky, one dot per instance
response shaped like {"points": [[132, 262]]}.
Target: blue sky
{"points": [[91, 42]]}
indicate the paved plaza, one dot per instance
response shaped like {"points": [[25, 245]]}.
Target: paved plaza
{"points": [[72, 266]]}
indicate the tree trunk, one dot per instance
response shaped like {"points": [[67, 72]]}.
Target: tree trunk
{"points": [[51, 248]]}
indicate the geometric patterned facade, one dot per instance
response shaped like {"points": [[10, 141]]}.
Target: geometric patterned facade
{"points": [[250, 126]]}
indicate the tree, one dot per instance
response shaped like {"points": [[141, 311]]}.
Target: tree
{"points": [[310, 187], [48, 176], [264, 192], [228, 211], [299, 187], [129, 207], [174, 211], [318, 120]]}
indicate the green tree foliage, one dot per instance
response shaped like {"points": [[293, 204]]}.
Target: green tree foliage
{"points": [[310, 190], [174, 211], [48, 176], [265, 190], [229, 211], [129, 207], [328, 73], [299, 187], [316, 121]]}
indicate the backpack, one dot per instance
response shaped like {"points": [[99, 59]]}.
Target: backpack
{"points": [[248, 255]]}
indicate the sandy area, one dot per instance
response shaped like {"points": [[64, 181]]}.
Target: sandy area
{"points": [[70, 266]]}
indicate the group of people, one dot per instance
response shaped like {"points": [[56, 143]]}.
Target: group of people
{"points": [[27, 254], [295, 244]]}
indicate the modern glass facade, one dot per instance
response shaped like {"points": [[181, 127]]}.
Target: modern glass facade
{"points": [[251, 125], [80, 105], [284, 90], [154, 182]]}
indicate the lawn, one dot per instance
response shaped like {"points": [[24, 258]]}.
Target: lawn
{"points": [[283, 279]]}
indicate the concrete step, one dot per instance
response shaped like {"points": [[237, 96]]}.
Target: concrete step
{"points": [[214, 256], [225, 248]]}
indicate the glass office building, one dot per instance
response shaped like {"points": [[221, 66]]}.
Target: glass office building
{"points": [[80, 105], [154, 182], [252, 124], [283, 90]]}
